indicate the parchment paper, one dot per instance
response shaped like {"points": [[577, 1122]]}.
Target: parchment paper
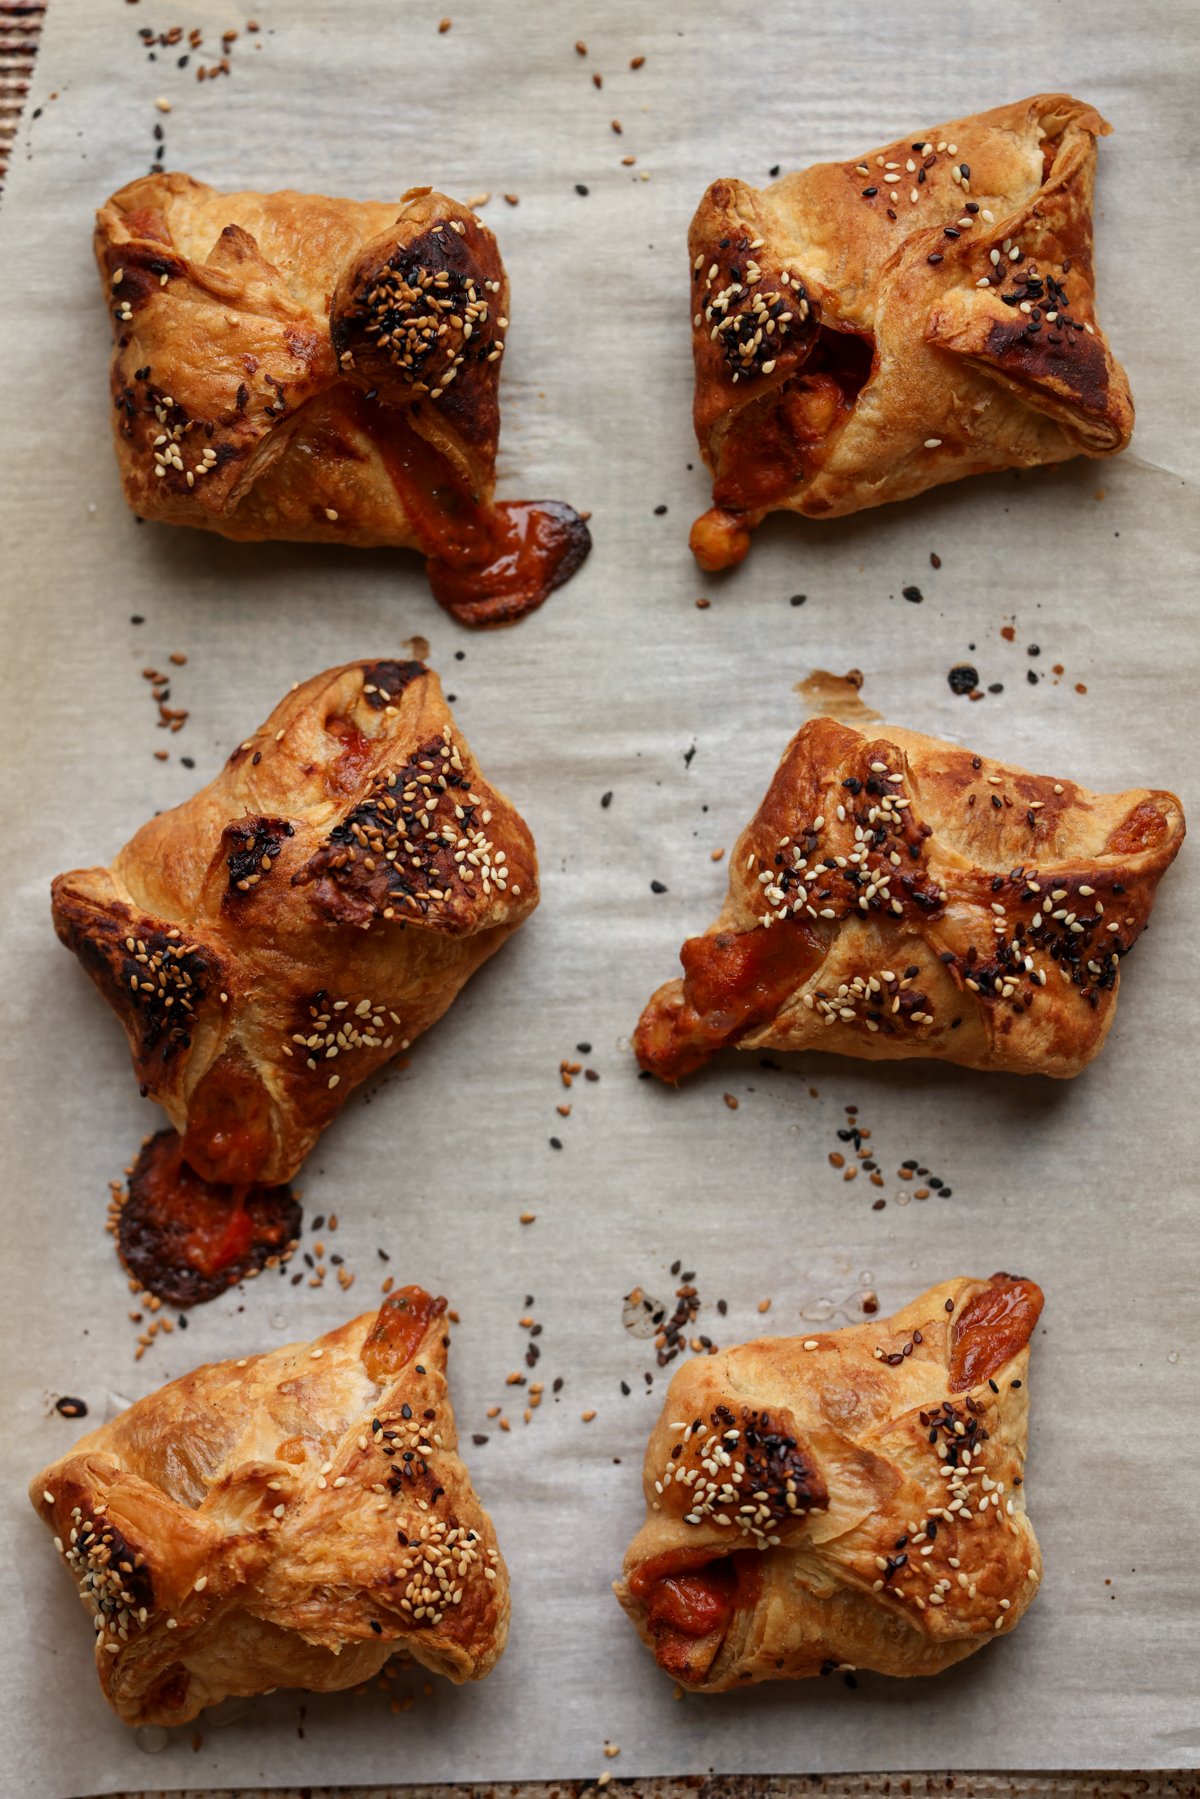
{"points": [[1088, 1186]]}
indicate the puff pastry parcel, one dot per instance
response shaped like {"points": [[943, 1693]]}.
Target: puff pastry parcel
{"points": [[897, 896], [290, 1519], [325, 371], [275, 940], [866, 329], [850, 1499]]}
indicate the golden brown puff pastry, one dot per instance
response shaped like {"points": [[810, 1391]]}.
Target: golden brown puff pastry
{"points": [[289, 1519], [854, 1498], [290, 366], [866, 329], [303, 918], [897, 896]]}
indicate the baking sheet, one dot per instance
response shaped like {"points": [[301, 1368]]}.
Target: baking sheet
{"points": [[620, 686]]}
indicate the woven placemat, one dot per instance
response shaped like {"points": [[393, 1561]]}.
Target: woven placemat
{"points": [[20, 29], [750, 1786]]}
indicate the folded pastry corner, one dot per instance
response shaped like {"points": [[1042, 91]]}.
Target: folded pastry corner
{"points": [[288, 1519], [283, 934], [288, 366], [850, 1499], [866, 329], [897, 896]]}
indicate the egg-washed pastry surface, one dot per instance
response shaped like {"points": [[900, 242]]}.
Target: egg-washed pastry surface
{"points": [[279, 937], [865, 329], [850, 1499], [326, 371], [897, 896], [288, 1519]]}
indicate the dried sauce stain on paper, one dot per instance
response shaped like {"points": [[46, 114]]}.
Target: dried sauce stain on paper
{"points": [[836, 696]]}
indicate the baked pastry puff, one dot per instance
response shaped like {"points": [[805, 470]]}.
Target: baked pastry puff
{"points": [[279, 937], [896, 896], [323, 371], [851, 1499], [866, 329], [288, 1519]]}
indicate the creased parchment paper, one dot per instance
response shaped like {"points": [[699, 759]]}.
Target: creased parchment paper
{"points": [[1088, 1186]]}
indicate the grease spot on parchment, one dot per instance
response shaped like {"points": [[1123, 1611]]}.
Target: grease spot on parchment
{"points": [[643, 1315], [836, 696], [852, 1307], [418, 648]]}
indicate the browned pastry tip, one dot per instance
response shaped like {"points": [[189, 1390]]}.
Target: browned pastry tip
{"points": [[299, 922], [853, 1498], [287, 1519], [867, 329], [288, 366], [897, 896]]}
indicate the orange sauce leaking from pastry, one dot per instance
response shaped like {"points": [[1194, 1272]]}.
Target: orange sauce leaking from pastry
{"points": [[487, 565], [398, 1331], [731, 983], [354, 755], [188, 1239], [992, 1328], [1142, 829], [228, 1129], [782, 439], [689, 1597], [692, 1605], [535, 546], [777, 442]]}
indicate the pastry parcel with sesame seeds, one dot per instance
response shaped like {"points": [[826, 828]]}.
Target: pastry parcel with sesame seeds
{"points": [[851, 1499], [896, 896], [869, 328], [288, 1519], [323, 371], [284, 934]]}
